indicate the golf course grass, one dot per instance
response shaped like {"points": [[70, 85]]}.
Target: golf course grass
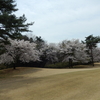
{"points": [[50, 84]]}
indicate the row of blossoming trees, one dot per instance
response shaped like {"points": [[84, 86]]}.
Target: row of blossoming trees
{"points": [[25, 51], [16, 48]]}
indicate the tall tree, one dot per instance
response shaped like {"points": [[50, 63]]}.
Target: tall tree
{"points": [[91, 42], [7, 6], [10, 25]]}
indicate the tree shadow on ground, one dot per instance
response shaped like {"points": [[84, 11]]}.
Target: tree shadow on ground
{"points": [[16, 79], [5, 73]]}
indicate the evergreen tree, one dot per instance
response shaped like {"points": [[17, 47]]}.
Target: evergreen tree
{"points": [[10, 25], [7, 6], [91, 42]]}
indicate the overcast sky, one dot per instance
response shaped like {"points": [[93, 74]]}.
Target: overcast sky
{"points": [[57, 20]]}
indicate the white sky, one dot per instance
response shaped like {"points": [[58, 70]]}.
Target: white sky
{"points": [[57, 20]]}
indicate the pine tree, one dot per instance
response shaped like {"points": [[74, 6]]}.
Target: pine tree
{"points": [[10, 25], [91, 42]]}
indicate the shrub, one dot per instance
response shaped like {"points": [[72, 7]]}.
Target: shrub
{"points": [[57, 65], [2, 66]]}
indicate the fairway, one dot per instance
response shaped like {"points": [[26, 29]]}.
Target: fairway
{"points": [[51, 84]]}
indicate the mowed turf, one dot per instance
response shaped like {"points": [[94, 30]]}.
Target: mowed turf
{"points": [[51, 84]]}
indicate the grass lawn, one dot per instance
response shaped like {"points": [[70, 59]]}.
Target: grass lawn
{"points": [[50, 84]]}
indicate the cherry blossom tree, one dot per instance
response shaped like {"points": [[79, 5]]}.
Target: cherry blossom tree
{"points": [[19, 50], [73, 49], [96, 54], [49, 53]]}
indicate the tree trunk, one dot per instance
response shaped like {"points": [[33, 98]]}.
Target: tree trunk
{"points": [[14, 67], [70, 63], [92, 57]]}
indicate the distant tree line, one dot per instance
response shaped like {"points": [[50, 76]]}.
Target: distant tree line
{"points": [[21, 50]]}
